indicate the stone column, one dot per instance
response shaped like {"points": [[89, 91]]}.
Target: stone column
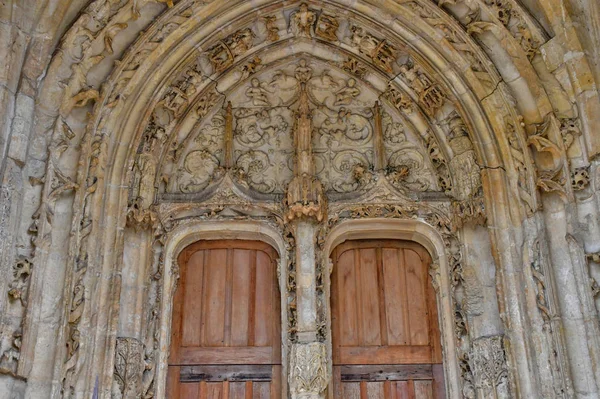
{"points": [[308, 371], [574, 298]]}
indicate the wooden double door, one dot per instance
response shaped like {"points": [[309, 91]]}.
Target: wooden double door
{"points": [[386, 342], [226, 335]]}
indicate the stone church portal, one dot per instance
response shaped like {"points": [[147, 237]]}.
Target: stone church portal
{"points": [[299, 199]]}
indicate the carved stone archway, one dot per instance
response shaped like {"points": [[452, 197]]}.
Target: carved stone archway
{"points": [[474, 117]]}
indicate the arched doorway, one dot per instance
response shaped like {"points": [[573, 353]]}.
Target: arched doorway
{"points": [[385, 334], [226, 328]]}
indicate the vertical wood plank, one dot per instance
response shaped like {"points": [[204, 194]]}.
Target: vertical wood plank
{"points": [[405, 300], [375, 390], [249, 390], [214, 311], [276, 383], [383, 331], [423, 389], [347, 299], [411, 390], [387, 390], [395, 301], [203, 390], [400, 389], [364, 393], [214, 390], [240, 301], [415, 281], [237, 390], [228, 296], [173, 391], [276, 319], [225, 394], [351, 390], [252, 298], [189, 390], [369, 297], [261, 390], [192, 302], [337, 382], [263, 310], [439, 386], [358, 300]]}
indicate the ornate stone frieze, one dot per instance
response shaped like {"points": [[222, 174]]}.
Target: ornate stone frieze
{"points": [[223, 54], [309, 375], [380, 51], [129, 367], [428, 93]]}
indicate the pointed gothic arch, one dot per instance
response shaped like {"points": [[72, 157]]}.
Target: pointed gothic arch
{"points": [[475, 84]]}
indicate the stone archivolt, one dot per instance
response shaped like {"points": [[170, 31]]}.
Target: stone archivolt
{"points": [[187, 125]]}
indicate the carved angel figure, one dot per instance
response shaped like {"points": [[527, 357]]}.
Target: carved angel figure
{"points": [[302, 22], [257, 94], [346, 94], [303, 72]]}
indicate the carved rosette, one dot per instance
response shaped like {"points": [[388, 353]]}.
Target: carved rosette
{"points": [[309, 375], [129, 366]]}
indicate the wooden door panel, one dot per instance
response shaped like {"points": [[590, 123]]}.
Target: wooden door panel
{"points": [[226, 313], [396, 307], [384, 322]]}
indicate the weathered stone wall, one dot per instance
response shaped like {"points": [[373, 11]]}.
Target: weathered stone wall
{"points": [[129, 126]]}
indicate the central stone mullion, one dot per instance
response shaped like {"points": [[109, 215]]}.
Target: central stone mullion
{"points": [[306, 209], [306, 287]]}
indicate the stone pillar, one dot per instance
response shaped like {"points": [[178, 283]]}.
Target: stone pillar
{"points": [[308, 371], [578, 319]]}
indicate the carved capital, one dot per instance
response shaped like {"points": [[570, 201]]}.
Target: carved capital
{"points": [[468, 211], [308, 370], [306, 199], [140, 217]]}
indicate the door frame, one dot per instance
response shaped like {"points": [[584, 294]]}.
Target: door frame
{"points": [[421, 233], [188, 233]]}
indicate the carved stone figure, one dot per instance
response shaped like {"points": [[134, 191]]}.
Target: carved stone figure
{"points": [[303, 72], [271, 27], [257, 94], [464, 161], [346, 94], [302, 22]]}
